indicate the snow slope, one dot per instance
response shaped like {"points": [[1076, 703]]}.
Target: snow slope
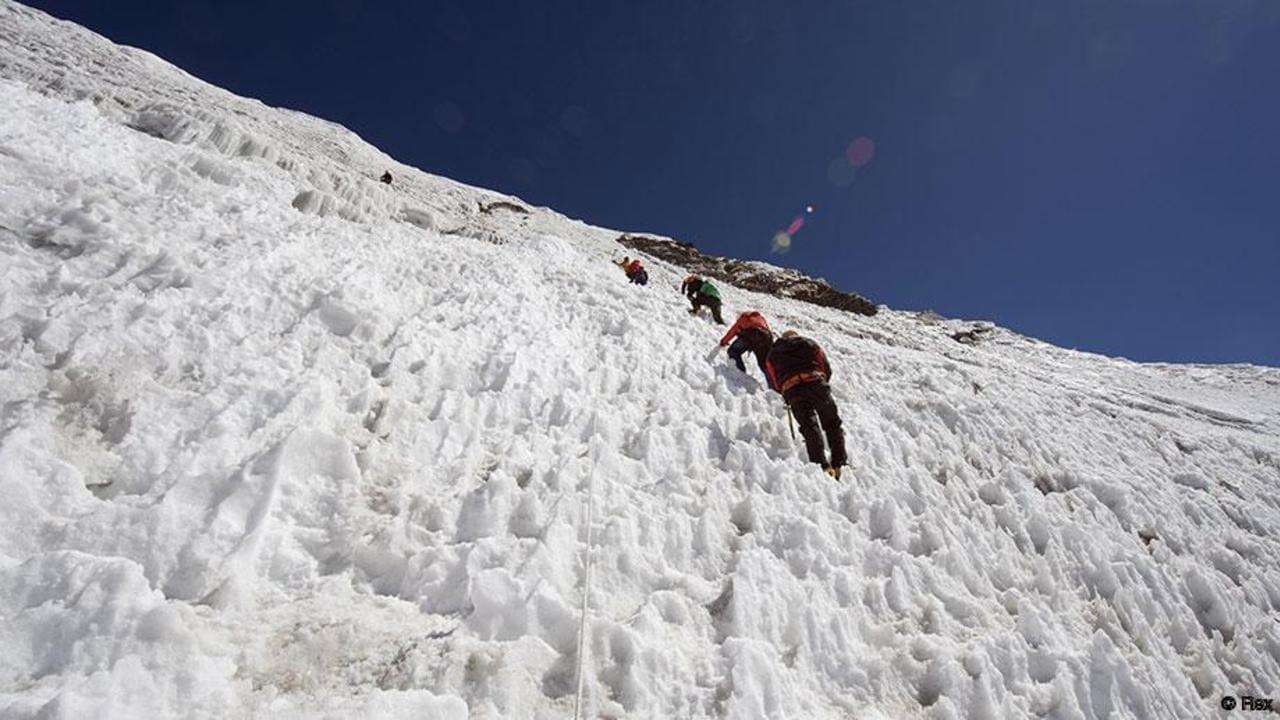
{"points": [[278, 440]]}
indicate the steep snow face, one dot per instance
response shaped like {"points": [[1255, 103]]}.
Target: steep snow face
{"points": [[262, 459]]}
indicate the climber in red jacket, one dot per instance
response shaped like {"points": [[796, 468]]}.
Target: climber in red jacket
{"points": [[750, 333], [634, 271]]}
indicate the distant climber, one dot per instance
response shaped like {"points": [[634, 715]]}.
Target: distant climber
{"points": [[702, 293], [634, 270], [386, 177], [798, 370], [750, 333]]}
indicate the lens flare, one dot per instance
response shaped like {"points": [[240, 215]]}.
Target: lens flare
{"points": [[841, 171], [860, 151]]}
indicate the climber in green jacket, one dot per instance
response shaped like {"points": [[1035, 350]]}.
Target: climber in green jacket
{"points": [[702, 293]]}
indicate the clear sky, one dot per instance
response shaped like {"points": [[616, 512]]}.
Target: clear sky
{"points": [[1102, 175]]}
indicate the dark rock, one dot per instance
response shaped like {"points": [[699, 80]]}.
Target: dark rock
{"points": [[488, 208], [971, 336], [778, 282]]}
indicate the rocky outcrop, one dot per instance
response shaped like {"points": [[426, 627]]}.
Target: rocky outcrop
{"points": [[973, 335], [748, 275]]}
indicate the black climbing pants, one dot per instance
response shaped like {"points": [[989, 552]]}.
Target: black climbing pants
{"points": [[813, 408], [699, 301], [743, 344]]}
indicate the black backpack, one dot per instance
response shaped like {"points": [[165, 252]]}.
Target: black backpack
{"points": [[792, 356]]}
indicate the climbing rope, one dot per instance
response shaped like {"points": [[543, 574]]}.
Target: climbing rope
{"points": [[586, 592]]}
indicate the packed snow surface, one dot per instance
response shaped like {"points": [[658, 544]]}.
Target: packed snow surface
{"points": [[279, 440]]}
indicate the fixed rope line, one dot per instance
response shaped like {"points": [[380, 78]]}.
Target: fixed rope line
{"points": [[586, 593]]}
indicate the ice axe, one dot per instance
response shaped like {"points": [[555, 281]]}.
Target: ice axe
{"points": [[791, 423]]}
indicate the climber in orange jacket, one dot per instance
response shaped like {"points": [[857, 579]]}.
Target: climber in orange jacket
{"points": [[750, 333]]}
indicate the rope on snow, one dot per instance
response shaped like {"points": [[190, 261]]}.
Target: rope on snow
{"points": [[586, 592]]}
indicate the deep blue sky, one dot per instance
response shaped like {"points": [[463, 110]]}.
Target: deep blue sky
{"points": [[1102, 175]]}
